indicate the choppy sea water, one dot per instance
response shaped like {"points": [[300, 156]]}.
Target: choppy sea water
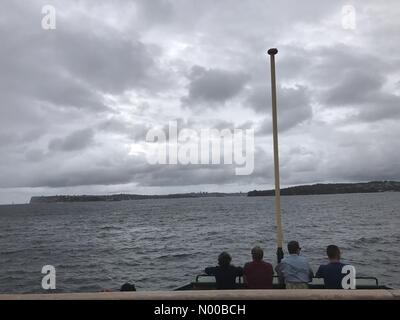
{"points": [[162, 244]]}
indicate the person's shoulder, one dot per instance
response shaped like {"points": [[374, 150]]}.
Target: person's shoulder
{"points": [[248, 265], [267, 264], [268, 267], [303, 258], [237, 270], [285, 259], [321, 271], [337, 264], [233, 267], [210, 270], [213, 267], [321, 268]]}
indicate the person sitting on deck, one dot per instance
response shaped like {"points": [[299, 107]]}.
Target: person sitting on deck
{"points": [[258, 274], [294, 270], [332, 272], [225, 273]]}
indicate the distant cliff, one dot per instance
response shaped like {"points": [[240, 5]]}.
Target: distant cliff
{"points": [[333, 188], [122, 197]]}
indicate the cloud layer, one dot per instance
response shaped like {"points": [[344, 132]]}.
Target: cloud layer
{"points": [[78, 101]]}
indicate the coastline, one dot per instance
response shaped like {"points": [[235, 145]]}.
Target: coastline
{"points": [[314, 189]]}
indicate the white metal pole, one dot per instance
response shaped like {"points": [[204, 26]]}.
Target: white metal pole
{"points": [[279, 233]]}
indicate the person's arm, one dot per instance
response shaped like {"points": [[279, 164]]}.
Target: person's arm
{"points": [[279, 272], [279, 268], [319, 273], [210, 271], [310, 272], [239, 271], [244, 274]]}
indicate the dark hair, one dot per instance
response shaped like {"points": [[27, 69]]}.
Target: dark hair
{"points": [[257, 253], [333, 251], [293, 247], [224, 259], [128, 287]]}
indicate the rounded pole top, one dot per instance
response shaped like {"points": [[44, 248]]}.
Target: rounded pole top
{"points": [[272, 51]]}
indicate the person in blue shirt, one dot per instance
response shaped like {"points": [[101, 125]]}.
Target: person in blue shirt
{"points": [[294, 270], [332, 272]]}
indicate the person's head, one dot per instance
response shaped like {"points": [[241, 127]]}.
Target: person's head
{"points": [[257, 253], [293, 247], [224, 259], [333, 252], [128, 287]]}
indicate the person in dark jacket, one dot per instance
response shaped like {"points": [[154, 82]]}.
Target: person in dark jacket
{"points": [[332, 272], [225, 274]]}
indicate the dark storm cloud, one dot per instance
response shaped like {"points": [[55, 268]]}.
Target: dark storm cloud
{"points": [[213, 85]]}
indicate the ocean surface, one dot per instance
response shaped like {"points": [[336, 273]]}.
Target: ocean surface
{"points": [[162, 244]]}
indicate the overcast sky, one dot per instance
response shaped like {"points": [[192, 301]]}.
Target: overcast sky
{"points": [[77, 102]]}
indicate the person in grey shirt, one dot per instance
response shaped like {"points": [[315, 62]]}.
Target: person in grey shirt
{"points": [[294, 270]]}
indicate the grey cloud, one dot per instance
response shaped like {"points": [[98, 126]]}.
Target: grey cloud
{"points": [[35, 155], [76, 141], [114, 125], [294, 107], [363, 90], [107, 58], [381, 106], [344, 77], [135, 131], [19, 138], [355, 87], [71, 67], [90, 168], [155, 11], [214, 85], [325, 66], [88, 176], [187, 175], [109, 63]]}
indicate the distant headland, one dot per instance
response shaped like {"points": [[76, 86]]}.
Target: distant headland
{"points": [[124, 197], [320, 188], [333, 188]]}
